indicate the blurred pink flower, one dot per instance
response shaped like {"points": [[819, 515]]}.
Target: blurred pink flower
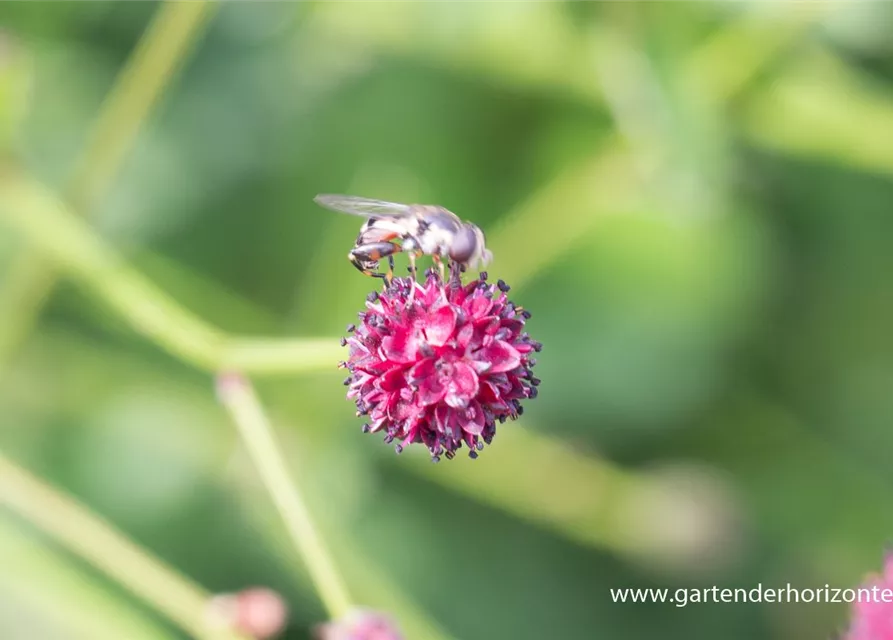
{"points": [[872, 619], [360, 625], [258, 612], [439, 363]]}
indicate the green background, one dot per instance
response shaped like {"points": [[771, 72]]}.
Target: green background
{"points": [[693, 200]]}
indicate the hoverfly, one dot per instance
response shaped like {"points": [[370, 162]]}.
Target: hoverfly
{"points": [[422, 229]]}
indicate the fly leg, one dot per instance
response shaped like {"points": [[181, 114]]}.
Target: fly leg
{"points": [[436, 258], [365, 258]]}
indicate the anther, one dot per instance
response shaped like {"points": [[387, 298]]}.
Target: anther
{"points": [[535, 382], [503, 286], [347, 381], [366, 428], [484, 276], [435, 459], [351, 328], [473, 454], [372, 297], [343, 342], [399, 449], [532, 392]]}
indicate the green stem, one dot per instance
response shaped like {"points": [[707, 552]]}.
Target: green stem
{"points": [[140, 84], [110, 551], [238, 397], [57, 232], [23, 290]]}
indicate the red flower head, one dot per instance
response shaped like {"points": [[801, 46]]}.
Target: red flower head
{"points": [[439, 363], [873, 616]]}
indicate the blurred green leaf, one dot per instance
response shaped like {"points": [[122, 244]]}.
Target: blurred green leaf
{"points": [[41, 586], [16, 78]]}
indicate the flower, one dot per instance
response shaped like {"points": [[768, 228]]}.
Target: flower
{"points": [[440, 363], [256, 611], [360, 625], [872, 616]]}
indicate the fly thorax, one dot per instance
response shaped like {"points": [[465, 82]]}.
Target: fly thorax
{"points": [[437, 230]]}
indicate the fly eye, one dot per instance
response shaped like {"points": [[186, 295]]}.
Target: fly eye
{"points": [[464, 244]]}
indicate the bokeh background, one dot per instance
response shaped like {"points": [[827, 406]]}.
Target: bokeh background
{"points": [[693, 199]]}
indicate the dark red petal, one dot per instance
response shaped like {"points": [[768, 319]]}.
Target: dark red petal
{"points": [[479, 306], [474, 420], [449, 422], [431, 391], [400, 347], [500, 355], [489, 394], [422, 370], [512, 325], [462, 387], [392, 380], [464, 336], [488, 324], [430, 293], [440, 325], [401, 410]]}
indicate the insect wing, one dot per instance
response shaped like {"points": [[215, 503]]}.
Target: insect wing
{"points": [[364, 207]]}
